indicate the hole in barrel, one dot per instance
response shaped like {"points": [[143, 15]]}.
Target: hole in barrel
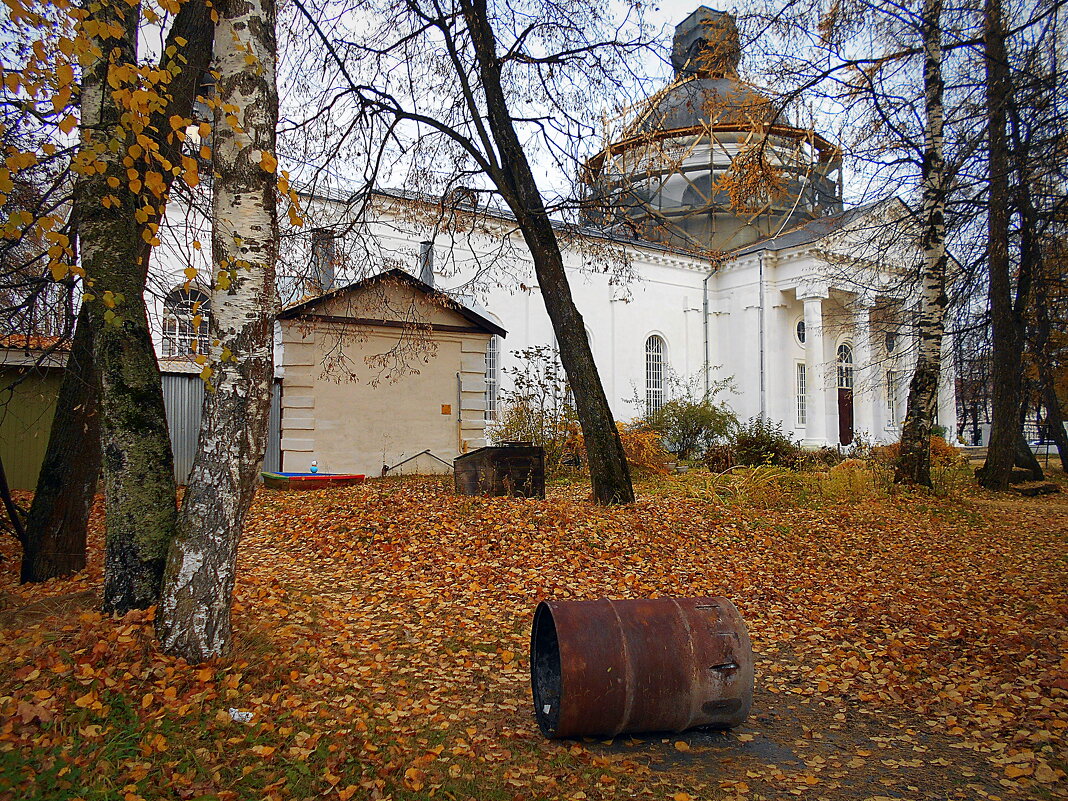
{"points": [[545, 670]]}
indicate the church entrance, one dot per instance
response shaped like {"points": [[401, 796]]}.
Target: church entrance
{"points": [[845, 394], [845, 416]]}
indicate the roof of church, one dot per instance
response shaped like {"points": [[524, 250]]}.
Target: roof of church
{"points": [[811, 231], [802, 234], [445, 300]]}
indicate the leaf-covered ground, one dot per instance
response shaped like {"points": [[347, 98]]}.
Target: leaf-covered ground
{"points": [[907, 647]]}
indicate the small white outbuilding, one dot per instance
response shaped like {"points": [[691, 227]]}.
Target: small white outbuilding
{"points": [[385, 375]]}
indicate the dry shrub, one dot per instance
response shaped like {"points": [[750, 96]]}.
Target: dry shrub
{"points": [[849, 464], [645, 449], [942, 453]]}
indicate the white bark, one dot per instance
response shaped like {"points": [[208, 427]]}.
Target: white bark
{"points": [[914, 465], [194, 616]]}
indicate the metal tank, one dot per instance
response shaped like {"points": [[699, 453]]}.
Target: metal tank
{"points": [[603, 668]]}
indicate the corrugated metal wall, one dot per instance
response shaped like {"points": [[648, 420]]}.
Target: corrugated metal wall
{"points": [[27, 407], [183, 396]]}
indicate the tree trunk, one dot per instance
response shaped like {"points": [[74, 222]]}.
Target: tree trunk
{"points": [[59, 515], [193, 620], [609, 472], [1044, 361], [137, 465], [1006, 338], [914, 463]]}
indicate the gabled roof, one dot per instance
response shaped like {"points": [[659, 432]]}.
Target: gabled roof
{"points": [[812, 231], [398, 276]]}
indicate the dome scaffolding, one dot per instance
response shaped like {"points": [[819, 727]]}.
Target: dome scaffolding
{"points": [[706, 164]]}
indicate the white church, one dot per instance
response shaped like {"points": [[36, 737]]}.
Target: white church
{"points": [[802, 304]]}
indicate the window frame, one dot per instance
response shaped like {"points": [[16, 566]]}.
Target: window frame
{"points": [[845, 371], [492, 378], [655, 372], [180, 337]]}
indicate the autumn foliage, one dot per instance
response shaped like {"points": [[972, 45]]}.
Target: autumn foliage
{"points": [[902, 641], [942, 453]]}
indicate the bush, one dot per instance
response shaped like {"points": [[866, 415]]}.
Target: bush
{"points": [[762, 442], [690, 427], [942, 453], [821, 458], [644, 448], [539, 408], [719, 458], [519, 421]]}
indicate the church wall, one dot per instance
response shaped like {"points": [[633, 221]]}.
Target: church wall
{"points": [[665, 298]]}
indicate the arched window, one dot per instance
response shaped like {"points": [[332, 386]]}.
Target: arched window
{"points": [[185, 322], [845, 366], [655, 350], [493, 367]]}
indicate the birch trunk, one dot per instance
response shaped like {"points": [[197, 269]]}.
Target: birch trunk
{"points": [[609, 472], [193, 620], [914, 462]]}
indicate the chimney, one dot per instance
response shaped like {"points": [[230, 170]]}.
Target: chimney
{"points": [[323, 259], [426, 262]]}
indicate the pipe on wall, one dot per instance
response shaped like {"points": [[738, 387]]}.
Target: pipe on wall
{"points": [[761, 338], [704, 316]]}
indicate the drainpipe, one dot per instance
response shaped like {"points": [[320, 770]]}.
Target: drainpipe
{"points": [[760, 334], [704, 317], [459, 413]]}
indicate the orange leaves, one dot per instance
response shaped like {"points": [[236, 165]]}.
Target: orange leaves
{"points": [[415, 779], [30, 713], [382, 634], [268, 163]]}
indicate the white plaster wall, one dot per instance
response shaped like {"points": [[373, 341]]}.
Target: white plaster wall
{"points": [[665, 297]]}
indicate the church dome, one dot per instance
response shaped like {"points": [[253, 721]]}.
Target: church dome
{"points": [[708, 162], [705, 53]]}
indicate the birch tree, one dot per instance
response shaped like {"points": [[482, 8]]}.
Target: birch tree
{"points": [[193, 620], [914, 463]]}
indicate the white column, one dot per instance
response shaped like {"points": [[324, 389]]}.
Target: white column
{"points": [[864, 378], [947, 392], [815, 381]]}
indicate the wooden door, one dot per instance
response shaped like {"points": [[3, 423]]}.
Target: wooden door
{"points": [[845, 416]]}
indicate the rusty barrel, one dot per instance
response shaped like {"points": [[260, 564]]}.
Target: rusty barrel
{"points": [[602, 668]]}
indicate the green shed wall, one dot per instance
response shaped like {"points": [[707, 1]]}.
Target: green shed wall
{"points": [[27, 404]]}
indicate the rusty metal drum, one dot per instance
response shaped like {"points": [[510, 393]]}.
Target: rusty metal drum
{"points": [[602, 668]]}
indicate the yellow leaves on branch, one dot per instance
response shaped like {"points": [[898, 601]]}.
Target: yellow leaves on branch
{"points": [[286, 189], [752, 181], [268, 163]]}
